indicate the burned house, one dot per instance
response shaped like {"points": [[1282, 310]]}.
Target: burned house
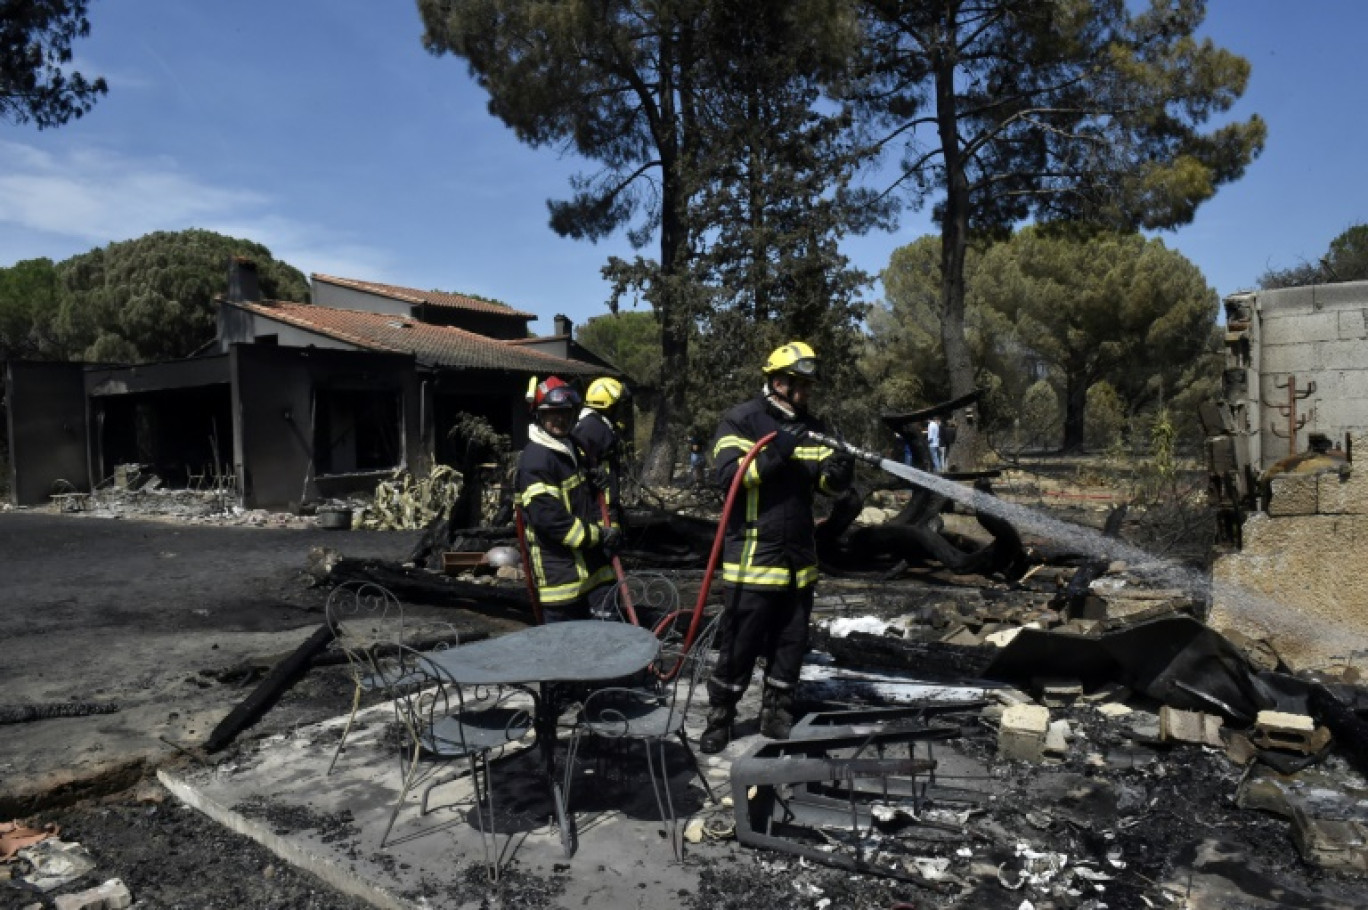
{"points": [[292, 402]]}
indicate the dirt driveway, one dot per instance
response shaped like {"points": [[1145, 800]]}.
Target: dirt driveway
{"points": [[146, 615]]}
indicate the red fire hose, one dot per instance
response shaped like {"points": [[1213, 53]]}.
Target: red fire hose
{"points": [[696, 619], [527, 565], [628, 610]]}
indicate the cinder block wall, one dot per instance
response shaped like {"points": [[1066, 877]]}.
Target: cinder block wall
{"points": [[1299, 581], [1317, 338]]}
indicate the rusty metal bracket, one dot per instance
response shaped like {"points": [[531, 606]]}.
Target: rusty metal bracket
{"points": [[789, 794], [1289, 410]]}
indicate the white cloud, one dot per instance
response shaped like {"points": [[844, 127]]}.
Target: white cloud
{"points": [[56, 204]]}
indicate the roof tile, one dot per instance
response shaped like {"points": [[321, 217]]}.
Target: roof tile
{"points": [[433, 345], [431, 298]]}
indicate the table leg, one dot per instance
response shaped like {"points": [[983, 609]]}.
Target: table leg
{"points": [[547, 714]]}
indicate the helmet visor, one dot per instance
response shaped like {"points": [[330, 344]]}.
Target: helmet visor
{"points": [[804, 366]]}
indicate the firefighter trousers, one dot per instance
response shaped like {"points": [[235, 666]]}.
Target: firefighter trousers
{"points": [[760, 623]]}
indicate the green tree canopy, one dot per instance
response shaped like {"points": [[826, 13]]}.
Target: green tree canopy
{"points": [[1052, 109], [1106, 307], [1345, 260], [35, 46], [28, 305], [629, 340], [153, 298], [661, 95]]}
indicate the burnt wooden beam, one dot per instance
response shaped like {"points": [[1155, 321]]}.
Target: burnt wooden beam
{"points": [[269, 690]]}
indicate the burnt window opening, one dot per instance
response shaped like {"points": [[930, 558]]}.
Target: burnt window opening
{"points": [[357, 430], [183, 436]]}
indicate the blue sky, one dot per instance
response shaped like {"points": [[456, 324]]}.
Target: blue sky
{"points": [[322, 129]]}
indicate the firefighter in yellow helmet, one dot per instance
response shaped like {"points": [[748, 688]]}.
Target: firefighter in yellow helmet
{"points": [[769, 559], [599, 435]]}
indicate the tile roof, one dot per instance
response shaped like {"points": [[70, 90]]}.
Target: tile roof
{"points": [[434, 345], [431, 298]]}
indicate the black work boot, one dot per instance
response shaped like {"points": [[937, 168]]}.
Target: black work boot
{"points": [[719, 730], [776, 713]]}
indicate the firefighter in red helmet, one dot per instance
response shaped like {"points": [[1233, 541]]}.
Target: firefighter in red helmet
{"points": [[568, 546]]}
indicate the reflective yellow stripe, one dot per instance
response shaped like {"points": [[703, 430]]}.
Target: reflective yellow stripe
{"points": [[558, 594], [575, 536], [770, 576], [811, 453], [540, 489], [733, 442], [752, 479]]}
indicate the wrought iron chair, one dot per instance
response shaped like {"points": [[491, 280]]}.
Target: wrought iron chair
{"points": [[652, 714], [652, 595], [446, 722], [363, 615]]}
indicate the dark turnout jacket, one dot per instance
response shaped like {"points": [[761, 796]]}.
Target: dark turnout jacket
{"points": [[563, 524], [770, 539], [598, 440]]}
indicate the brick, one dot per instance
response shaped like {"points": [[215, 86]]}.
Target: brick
{"points": [[1022, 734], [1293, 495], [1189, 727], [1292, 732]]}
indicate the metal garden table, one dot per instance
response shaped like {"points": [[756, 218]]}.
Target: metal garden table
{"points": [[537, 658]]}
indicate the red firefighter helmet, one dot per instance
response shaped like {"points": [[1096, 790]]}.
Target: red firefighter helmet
{"points": [[553, 393]]}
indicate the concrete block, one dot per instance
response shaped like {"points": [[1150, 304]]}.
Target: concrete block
{"points": [[1294, 494], [1292, 732], [1057, 693], [1340, 355], [1330, 843], [1057, 737], [112, 895], [1352, 325], [1176, 725], [1022, 734], [1343, 494], [1308, 328], [1286, 358]]}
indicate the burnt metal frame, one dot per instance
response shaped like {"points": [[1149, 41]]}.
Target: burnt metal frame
{"points": [[821, 780]]}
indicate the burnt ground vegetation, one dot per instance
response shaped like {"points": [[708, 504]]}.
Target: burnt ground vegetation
{"points": [[1161, 820]]}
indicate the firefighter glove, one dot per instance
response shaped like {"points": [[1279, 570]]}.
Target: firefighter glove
{"points": [[610, 540], [840, 470], [598, 478], [786, 439]]}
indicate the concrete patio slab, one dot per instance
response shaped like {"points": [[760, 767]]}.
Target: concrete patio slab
{"points": [[279, 793]]}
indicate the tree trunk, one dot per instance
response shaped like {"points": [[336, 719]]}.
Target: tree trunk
{"points": [[672, 300], [1075, 404], [954, 244]]}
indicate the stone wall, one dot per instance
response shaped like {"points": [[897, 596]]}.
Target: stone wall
{"points": [[1300, 581]]}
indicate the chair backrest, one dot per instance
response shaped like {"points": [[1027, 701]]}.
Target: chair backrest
{"points": [[652, 594], [363, 614], [697, 663], [420, 706]]}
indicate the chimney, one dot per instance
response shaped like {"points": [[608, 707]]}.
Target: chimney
{"points": [[563, 324], [243, 286]]}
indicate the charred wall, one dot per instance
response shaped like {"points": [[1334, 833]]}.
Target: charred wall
{"points": [[313, 423], [46, 423]]}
